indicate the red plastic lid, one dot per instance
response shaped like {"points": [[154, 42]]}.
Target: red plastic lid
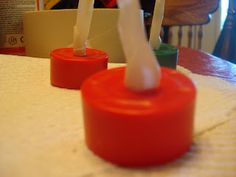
{"points": [[138, 129], [69, 71]]}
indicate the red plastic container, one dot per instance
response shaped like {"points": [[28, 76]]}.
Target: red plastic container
{"points": [[138, 129], [69, 71]]}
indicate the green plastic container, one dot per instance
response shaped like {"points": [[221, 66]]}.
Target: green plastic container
{"points": [[167, 55]]}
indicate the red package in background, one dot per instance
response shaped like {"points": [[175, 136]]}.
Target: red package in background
{"points": [[11, 20], [109, 3]]}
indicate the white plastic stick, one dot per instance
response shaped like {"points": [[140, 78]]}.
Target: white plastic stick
{"points": [[158, 15], [82, 26], [143, 71]]}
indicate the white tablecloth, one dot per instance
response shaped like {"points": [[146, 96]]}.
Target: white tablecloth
{"points": [[41, 129]]}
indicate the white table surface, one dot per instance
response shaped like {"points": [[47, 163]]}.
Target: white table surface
{"points": [[41, 129]]}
